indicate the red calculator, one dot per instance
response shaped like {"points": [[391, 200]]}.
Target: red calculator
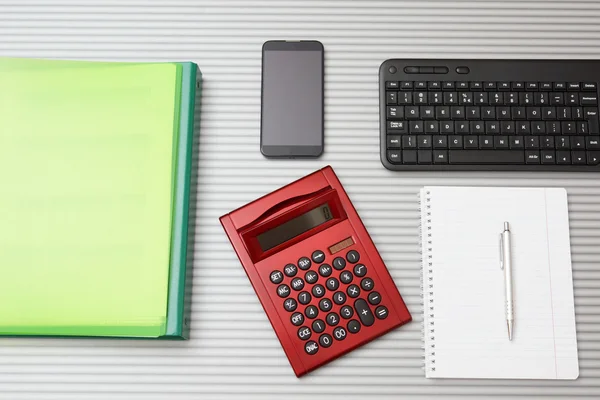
{"points": [[315, 270]]}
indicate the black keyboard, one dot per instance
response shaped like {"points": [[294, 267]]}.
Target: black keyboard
{"points": [[489, 115]]}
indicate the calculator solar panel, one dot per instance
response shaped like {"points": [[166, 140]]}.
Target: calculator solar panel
{"points": [[530, 115]]}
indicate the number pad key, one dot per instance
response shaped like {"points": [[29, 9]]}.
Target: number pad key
{"points": [[325, 270], [360, 270], [311, 277], [332, 319], [318, 291], [290, 305], [325, 340], [318, 325], [304, 333], [325, 305], [290, 270], [311, 347], [339, 333], [346, 312], [332, 284], [346, 277]]}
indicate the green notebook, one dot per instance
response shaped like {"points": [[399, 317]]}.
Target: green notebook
{"points": [[95, 165]]}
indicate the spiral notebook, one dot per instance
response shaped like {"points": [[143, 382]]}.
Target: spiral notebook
{"points": [[465, 331]]}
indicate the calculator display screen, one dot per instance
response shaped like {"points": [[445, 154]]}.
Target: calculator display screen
{"points": [[294, 227]]}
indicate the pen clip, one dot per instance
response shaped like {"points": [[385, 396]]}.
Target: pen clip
{"points": [[501, 247]]}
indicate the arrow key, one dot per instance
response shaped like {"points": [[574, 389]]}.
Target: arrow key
{"points": [[578, 157], [593, 157]]}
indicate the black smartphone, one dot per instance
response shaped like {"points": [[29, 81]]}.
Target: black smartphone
{"points": [[291, 115]]}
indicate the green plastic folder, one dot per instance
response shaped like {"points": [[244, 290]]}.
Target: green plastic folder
{"points": [[95, 165]]}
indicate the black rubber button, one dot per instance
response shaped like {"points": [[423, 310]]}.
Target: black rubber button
{"points": [[304, 263], [311, 347], [364, 312], [325, 270], [360, 270], [346, 312], [325, 305], [304, 333], [374, 298], [304, 298], [311, 277], [325, 340], [411, 70], [276, 277], [318, 256], [318, 291], [462, 70], [297, 319], [290, 270], [381, 312], [339, 298], [353, 291], [353, 256], [318, 325], [354, 326], [311, 312], [339, 333], [367, 284], [332, 319], [332, 284], [283, 291], [290, 305], [339, 263], [392, 70], [346, 277], [297, 284]]}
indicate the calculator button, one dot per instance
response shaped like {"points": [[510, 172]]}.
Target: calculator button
{"points": [[290, 270], [353, 256], [304, 298], [325, 340], [311, 347], [311, 312], [318, 256], [318, 325], [276, 277], [339, 333], [332, 284], [311, 277], [297, 319], [325, 305], [339, 298], [353, 291], [347, 312], [360, 270], [297, 284], [374, 298], [318, 291], [332, 319], [304, 333], [346, 277], [290, 305], [353, 326], [283, 291], [364, 312], [381, 312], [339, 263], [367, 284], [325, 270], [304, 263]]}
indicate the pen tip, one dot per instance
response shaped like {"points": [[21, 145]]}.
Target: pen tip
{"points": [[509, 325], [506, 226]]}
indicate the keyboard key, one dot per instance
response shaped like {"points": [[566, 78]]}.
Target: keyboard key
{"points": [[440, 142], [426, 112], [492, 127], [589, 99], [589, 86], [364, 312], [573, 86], [577, 143], [486, 142], [409, 142], [311, 347], [488, 113], [420, 98], [393, 142], [419, 85], [432, 127], [501, 142], [572, 99], [440, 157], [486, 157], [424, 157], [462, 85], [532, 157], [475, 85], [405, 98], [523, 128], [557, 99], [325, 270], [481, 99], [563, 157], [518, 113], [517, 86], [526, 99], [411, 112], [406, 85], [560, 86], [297, 284], [549, 113], [416, 127], [541, 99], [553, 128], [496, 98], [538, 127], [442, 112], [592, 142], [531, 86], [448, 85], [503, 85], [394, 112], [450, 98], [507, 127], [455, 142], [446, 127], [472, 112], [593, 157], [516, 143], [534, 113], [477, 127], [503, 113], [434, 85], [562, 142], [577, 112], [548, 157], [568, 128], [471, 142], [396, 127], [391, 98], [465, 98], [545, 85], [547, 142], [339, 263], [532, 142], [511, 98], [487, 86], [391, 85], [582, 127], [578, 158], [424, 142], [457, 112], [461, 127]]}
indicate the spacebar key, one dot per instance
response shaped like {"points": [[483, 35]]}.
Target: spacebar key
{"points": [[486, 157]]}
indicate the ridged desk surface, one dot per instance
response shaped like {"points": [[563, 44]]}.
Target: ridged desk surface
{"points": [[234, 351]]}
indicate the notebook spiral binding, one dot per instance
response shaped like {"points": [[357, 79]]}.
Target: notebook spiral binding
{"points": [[427, 285]]}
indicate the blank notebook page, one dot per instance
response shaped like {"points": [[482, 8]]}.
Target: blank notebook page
{"points": [[465, 328]]}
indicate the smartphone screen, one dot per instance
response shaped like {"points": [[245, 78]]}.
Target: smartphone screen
{"points": [[292, 99]]}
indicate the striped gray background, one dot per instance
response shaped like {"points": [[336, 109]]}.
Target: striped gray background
{"points": [[234, 352]]}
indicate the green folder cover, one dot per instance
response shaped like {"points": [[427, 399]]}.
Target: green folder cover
{"points": [[166, 290]]}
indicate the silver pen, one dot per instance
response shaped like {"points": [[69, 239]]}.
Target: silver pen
{"points": [[506, 265]]}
